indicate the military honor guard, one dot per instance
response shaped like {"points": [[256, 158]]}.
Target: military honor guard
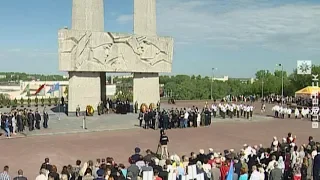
{"points": [[247, 109], [223, 111], [251, 111], [289, 111], [238, 110], [276, 110], [241, 109], [214, 110], [230, 107]]}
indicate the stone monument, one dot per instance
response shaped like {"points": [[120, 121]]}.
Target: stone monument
{"points": [[86, 52]]}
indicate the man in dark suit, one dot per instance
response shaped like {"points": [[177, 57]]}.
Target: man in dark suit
{"points": [[38, 119], [30, 121], [45, 119], [316, 166], [276, 173]]}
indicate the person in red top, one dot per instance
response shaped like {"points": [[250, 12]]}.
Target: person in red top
{"points": [[224, 169], [291, 139], [156, 175]]}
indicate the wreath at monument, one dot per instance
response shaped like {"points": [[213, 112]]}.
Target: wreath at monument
{"points": [[89, 110], [143, 107]]}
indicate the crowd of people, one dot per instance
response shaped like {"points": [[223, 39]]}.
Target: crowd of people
{"points": [[282, 160], [17, 120], [193, 117]]}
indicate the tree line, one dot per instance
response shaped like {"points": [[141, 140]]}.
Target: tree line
{"points": [[17, 76], [185, 87]]}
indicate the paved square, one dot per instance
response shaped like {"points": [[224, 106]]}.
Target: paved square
{"points": [[28, 153]]}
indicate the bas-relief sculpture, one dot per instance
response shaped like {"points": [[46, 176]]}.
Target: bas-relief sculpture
{"points": [[114, 52]]}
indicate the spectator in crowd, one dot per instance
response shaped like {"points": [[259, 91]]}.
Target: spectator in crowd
{"points": [[20, 175], [5, 174]]}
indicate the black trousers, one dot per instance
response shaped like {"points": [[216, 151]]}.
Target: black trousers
{"points": [[146, 124], [45, 123], [38, 124]]}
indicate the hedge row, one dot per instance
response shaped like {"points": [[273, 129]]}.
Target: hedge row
{"points": [[28, 102]]}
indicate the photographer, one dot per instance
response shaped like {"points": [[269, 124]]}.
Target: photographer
{"points": [[163, 143]]}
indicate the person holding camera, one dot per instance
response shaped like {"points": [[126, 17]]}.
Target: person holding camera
{"points": [[164, 144]]}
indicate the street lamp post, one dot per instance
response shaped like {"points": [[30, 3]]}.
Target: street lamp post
{"points": [[262, 83], [281, 82], [212, 83], [282, 85]]}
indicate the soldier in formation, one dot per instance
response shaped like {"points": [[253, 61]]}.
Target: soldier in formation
{"points": [[286, 112]]}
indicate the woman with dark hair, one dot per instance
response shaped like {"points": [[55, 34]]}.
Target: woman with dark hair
{"points": [[53, 174], [65, 171], [88, 175]]}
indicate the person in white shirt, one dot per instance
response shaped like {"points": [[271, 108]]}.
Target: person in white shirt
{"points": [[255, 174], [186, 118], [285, 111], [262, 175], [303, 113], [223, 112], [251, 111], [289, 111], [42, 175], [296, 113], [271, 164], [308, 112], [248, 111], [263, 108], [230, 111], [214, 111], [274, 109], [280, 112], [241, 110], [14, 125], [198, 119], [234, 106]]}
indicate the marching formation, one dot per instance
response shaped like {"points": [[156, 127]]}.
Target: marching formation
{"points": [[192, 117], [286, 112]]}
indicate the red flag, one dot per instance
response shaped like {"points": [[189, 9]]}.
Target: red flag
{"points": [[40, 88]]}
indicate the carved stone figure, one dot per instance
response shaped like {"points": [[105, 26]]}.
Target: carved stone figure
{"points": [[115, 52]]}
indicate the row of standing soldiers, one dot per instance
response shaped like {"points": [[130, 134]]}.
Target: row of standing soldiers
{"points": [[19, 119]]}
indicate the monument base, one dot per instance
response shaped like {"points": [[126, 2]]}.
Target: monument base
{"points": [[146, 88], [84, 89]]}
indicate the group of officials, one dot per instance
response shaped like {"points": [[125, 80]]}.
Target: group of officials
{"points": [[192, 117], [17, 120]]}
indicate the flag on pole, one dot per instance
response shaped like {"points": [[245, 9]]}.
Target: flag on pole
{"points": [[26, 90], [54, 87], [230, 172], [41, 88]]}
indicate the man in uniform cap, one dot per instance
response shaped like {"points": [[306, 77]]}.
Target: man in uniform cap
{"points": [[100, 174]]}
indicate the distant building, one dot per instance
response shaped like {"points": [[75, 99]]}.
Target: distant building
{"points": [[243, 80], [223, 79]]}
